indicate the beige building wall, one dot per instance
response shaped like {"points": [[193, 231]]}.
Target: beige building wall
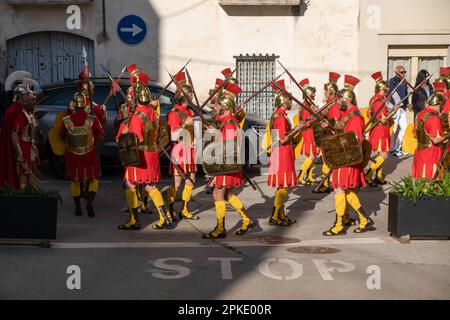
{"points": [[337, 35], [408, 24], [323, 37]]}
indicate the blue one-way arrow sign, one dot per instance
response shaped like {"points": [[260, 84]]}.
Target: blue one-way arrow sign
{"points": [[132, 29]]}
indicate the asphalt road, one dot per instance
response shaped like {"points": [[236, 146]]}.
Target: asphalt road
{"points": [[92, 259]]}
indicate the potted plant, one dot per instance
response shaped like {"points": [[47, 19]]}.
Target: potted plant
{"points": [[420, 208], [29, 214]]}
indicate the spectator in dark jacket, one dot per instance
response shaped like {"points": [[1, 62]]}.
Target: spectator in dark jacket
{"points": [[421, 96], [401, 121], [3, 103]]}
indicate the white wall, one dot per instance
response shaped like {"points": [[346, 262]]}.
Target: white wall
{"points": [[325, 38]]}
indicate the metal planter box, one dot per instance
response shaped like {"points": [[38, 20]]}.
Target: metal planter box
{"points": [[28, 217], [429, 217]]}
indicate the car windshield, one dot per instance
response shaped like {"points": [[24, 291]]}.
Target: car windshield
{"points": [[62, 96]]}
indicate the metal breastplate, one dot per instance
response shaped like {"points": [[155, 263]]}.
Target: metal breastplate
{"points": [[189, 129], [371, 111], [423, 140], [340, 125], [445, 121], [80, 140], [150, 134], [29, 134]]}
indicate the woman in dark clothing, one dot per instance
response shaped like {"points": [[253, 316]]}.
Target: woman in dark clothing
{"points": [[421, 96]]}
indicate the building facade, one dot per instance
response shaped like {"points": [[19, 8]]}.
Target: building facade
{"points": [[312, 37]]}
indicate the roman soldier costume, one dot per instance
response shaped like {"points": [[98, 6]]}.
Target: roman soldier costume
{"points": [[428, 126], [309, 149], [282, 174], [180, 122], [82, 132], [347, 179], [139, 153], [228, 174], [445, 112], [379, 137], [86, 87], [23, 137], [333, 114]]}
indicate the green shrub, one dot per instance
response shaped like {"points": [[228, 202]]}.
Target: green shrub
{"points": [[31, 191], [415, 189]]}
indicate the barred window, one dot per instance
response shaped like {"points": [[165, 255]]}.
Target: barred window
{"points": [[253, 72]]}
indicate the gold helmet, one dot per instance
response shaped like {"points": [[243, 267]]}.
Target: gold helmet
{"points": [[134, 74], [310, 90], [227, 74], [181, 79], [438, 99], [445, 76], [79, 101], [281, 98], [381, 84], [348, 92], [87, 88], [331, 88], [215, 98], [142, 92], [227, 101], [445, 81]]}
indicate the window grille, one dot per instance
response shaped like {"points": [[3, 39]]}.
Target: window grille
{"points": [[253, 72]]}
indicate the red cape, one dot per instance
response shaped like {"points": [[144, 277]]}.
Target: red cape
{"points": [[8, 171]]}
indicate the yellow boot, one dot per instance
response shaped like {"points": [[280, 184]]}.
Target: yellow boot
{"points": [[365, 223], [219, 232], [187, 195], [302, 178], [275, 219], [171, 197], [326, 184], [247, 223], [380, 178], [132, 202], [165, 220], [338, 228], [311, 178], [75, 188]]}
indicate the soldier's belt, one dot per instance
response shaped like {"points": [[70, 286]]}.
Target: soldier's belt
{"points": [[152, 148], [423, 146], [80, 151]]}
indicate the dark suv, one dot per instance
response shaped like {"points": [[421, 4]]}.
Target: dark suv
{"points": [[56, 98]]}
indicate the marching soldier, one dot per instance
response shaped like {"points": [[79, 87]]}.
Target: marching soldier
{"points": [[224, 184], [347, 180], [86, 87], [82, 132], [309, 148], [380, 137], [445, 112], [282, 174], [144, 127], [21, 133], [333, 115], [181, 124], [429, 132]]}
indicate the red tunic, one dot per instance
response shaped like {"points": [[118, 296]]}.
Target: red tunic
{"points": [[99, 113], [148, 172], [28, 148], [446, 108], [309, 147], [334, 112], [83, 167], [183, 154], [380, 136], [427, 160], [228, 132], [351, 177], [8, 174], [282, 160]]}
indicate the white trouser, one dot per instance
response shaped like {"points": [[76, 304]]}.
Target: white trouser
{"points": [[401, 124]]}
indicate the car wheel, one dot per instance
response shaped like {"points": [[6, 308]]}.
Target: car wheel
{"points": [[58, 165]]}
